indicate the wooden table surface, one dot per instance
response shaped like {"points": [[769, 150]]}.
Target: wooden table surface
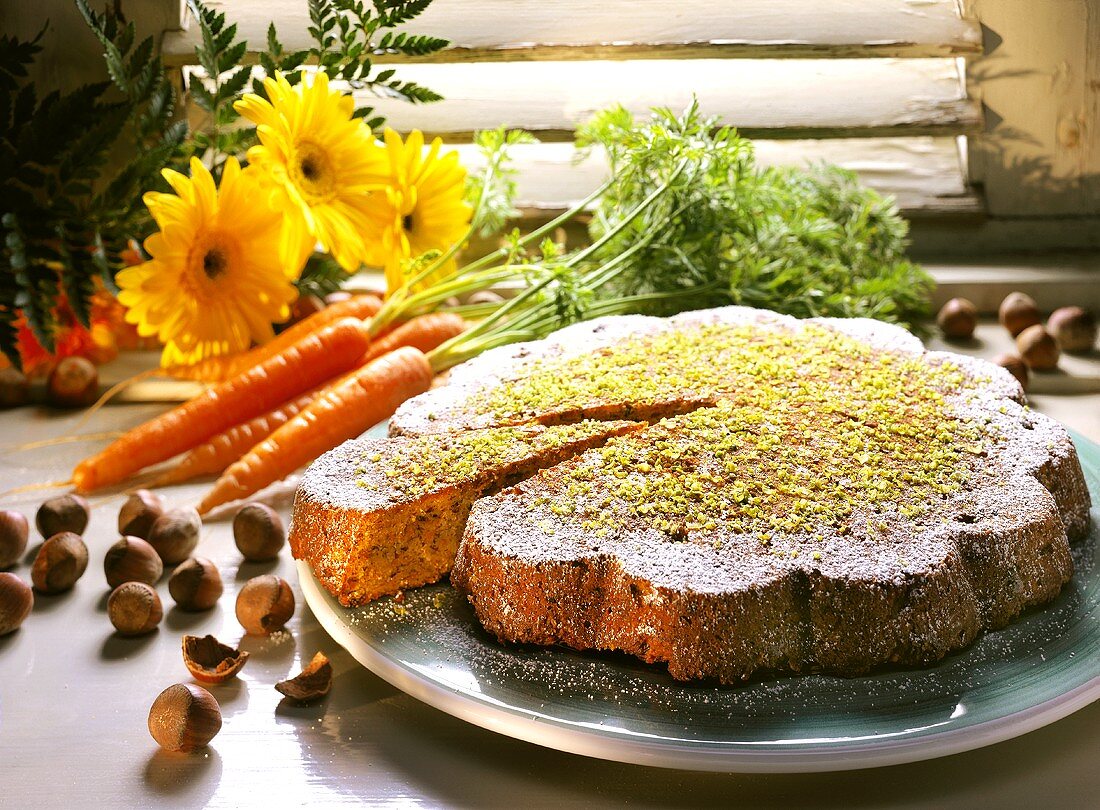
{"points": [[74, 698]]}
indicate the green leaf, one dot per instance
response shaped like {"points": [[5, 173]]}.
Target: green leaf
{"points": [[233, 86], [203, 97]]}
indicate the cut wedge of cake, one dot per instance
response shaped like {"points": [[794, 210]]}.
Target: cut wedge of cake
{"points": [[375, 516]]}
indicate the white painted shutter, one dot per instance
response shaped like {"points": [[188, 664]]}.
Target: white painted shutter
{"points": [[874, 85]]}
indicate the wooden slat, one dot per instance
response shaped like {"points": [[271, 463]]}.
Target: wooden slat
{"points": [[764, 98], [520, 30], [923, 174]]}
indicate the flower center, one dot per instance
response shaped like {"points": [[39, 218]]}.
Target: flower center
{"points": [[312, 172], [407, 222], [214, 263]]}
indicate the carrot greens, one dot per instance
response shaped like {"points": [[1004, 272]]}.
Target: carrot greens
{"points": [[686, 220]]}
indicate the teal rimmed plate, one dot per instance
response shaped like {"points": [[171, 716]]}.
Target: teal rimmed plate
{"points": [[1041, 668]]}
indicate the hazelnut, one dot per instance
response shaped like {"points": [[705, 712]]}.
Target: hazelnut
{"points": [[1038, 348], [60, 562], [175, 534], [265, 604], [134, 609], [1074, 329], [65, 513], [184, 717], [1018, 311], [484, 297], [15, 388], [210, 661], [313, 682], [73, 383], [258, 532], [139, 513], [196, 584], [13, 536], [1014, 365], [16, 601], [958, 318], [131, 559]]}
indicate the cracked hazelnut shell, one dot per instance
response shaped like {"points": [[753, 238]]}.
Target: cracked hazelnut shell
{"points": [[312, 683], [210, 661]]}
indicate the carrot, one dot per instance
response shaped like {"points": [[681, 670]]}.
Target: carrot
{"points": [[425, 332], [342, 412], [303, 365], [219, 369], [213, 456]]}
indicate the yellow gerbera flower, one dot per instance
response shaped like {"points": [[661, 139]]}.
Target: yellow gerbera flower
{"points": [[420, 209], [216, 281], [323, 159]]}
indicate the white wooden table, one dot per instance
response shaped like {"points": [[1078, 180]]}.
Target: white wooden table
{"points": [[74, 699]]}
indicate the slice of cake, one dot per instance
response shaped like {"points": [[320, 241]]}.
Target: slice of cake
{"points": [[375, 516]]}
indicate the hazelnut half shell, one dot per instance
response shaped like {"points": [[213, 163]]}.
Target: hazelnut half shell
{"points": [[312, 683], [184, 717], [210, 661]]}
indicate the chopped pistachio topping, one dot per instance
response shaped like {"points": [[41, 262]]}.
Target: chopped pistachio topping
{"points": [[708, 359], [811, 426], [413, 467]]}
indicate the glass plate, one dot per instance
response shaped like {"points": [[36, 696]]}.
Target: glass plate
{"points": [[1041, 668]]}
